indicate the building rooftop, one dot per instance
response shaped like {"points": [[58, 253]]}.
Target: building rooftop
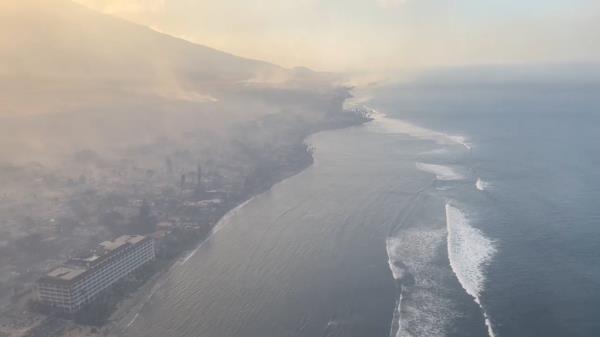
{"points": [[77, 266], [109, 246], [66, 273]]}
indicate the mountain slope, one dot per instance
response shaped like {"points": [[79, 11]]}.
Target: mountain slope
{"points": [[74, 79], [69, 57], [60, 37]]}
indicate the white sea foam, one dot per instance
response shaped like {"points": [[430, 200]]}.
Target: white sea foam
{"points": [[482, 185], [469, 251], [393, 251], [441, 172], [133, 320], [435, 152], [396, 328], [420, 311], [392, 125], [460, 140]]}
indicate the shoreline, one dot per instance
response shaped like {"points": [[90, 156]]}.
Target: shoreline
{"points": [[129, 312], [129, 308], [295, 157]]}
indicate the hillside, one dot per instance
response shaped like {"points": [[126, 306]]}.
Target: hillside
{"points": [[68, 39], [73, 79]]}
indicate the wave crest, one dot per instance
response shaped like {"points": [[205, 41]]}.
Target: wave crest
{"points": [[420, 311], [482, 185], [469, 251], [441, 172], [392, 125]]}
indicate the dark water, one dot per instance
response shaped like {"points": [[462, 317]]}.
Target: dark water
{"points": [[537, 148], [391, 234]]}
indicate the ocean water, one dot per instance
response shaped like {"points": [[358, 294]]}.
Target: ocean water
{"points": [[468, 212], [524, 228]]}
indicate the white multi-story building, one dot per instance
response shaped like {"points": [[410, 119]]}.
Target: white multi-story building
{"points": [[80, 280]]}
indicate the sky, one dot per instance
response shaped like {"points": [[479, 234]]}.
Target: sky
{"points": [[378, 35]]}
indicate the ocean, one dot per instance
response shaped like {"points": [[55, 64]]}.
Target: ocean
{"points": [[523, 222], [458, 211]]}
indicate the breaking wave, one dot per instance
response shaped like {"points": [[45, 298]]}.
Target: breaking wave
{"points": [[482, 185], [132, 320], [469, 251], [391, 125], [441, 172], [420, 310]]}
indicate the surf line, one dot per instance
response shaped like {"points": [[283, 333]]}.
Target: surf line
{"points": [[132, 320], [482, 185], [394, 125], [222, 222], [469, 251], [399, 273], [397, 317]]}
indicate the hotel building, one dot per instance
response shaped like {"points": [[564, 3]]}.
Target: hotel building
{"points": [[80, 280]]}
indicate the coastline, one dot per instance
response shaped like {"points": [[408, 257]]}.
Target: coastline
{"points": [[255, 270], [460, 234], [128, 308], [293, 155]]}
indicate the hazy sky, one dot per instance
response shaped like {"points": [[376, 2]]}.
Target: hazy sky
{"points": [[378, 34]]}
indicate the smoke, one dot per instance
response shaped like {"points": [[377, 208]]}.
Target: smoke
{"points": [[391, 3], [129, 6]]}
